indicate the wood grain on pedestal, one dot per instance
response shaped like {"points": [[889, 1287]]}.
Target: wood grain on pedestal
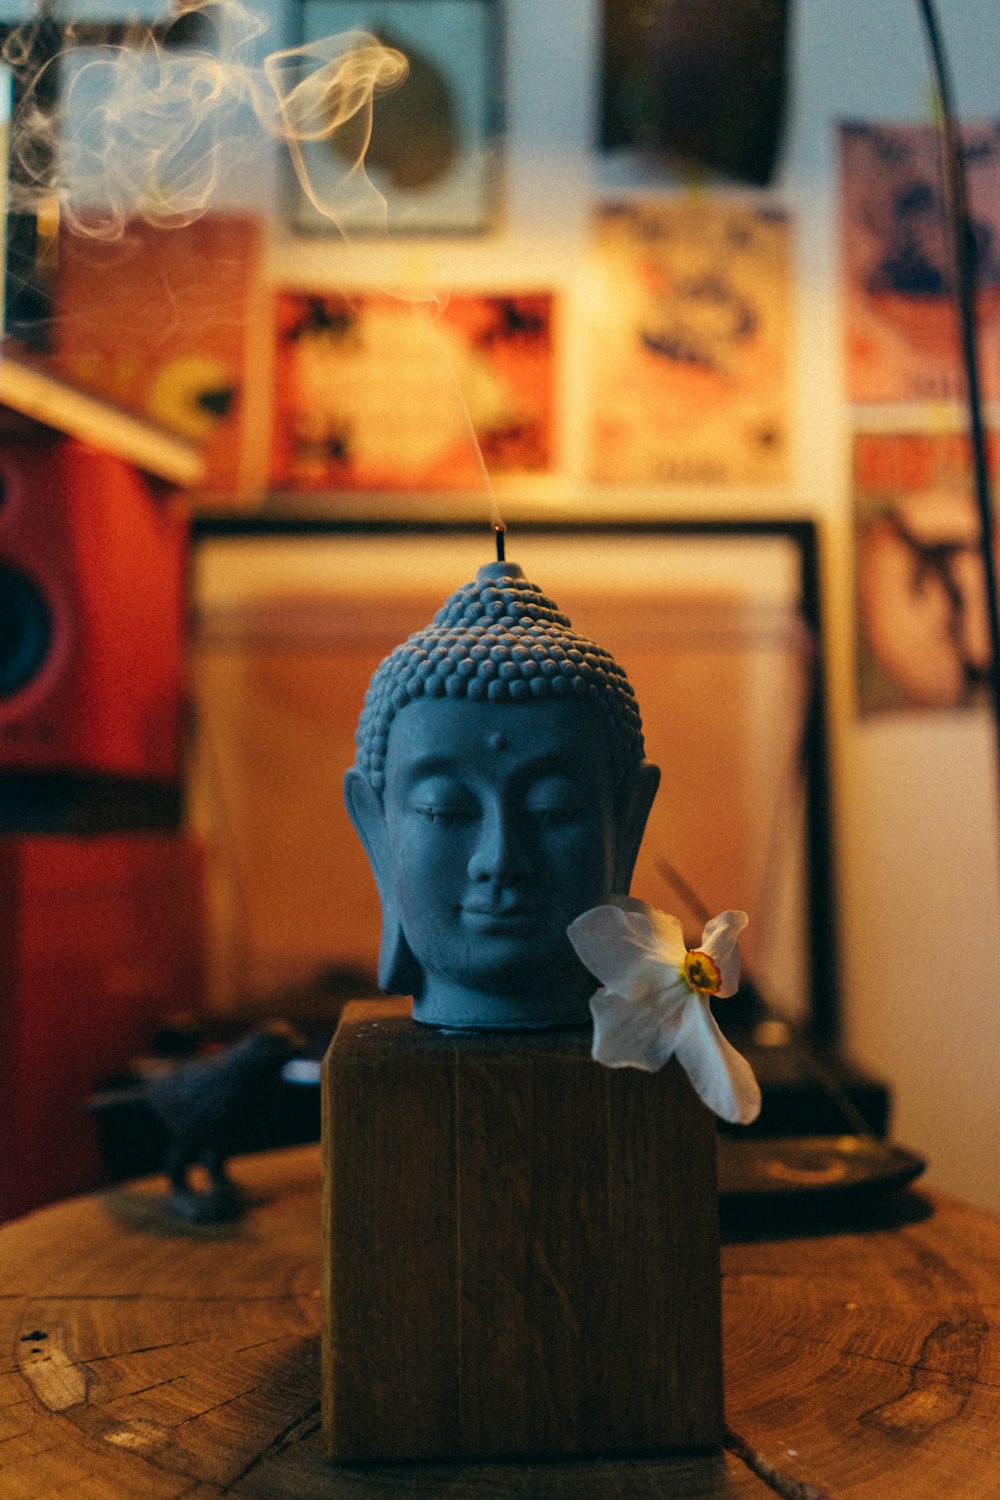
{"points": [[522, 1247]]}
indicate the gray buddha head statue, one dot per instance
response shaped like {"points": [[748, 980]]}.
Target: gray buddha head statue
{"points": [[500, 789]]}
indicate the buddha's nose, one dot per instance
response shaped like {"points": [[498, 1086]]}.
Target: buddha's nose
{"points": [[500, 853]]}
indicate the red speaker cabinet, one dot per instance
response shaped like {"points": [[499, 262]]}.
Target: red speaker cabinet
{"points": [[92, 569], [100, 941]]}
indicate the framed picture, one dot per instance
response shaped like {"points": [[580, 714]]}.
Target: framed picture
{"points": [[690, 341], [291, 620], [372, 393], [900, 335], [162, 324], [703, 82], [922, 627], [421, 157]]}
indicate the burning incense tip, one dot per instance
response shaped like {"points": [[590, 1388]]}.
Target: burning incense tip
{"points": [[500, 532]]}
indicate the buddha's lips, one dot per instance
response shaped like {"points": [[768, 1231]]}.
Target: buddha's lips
{"points": [[486, 912]]}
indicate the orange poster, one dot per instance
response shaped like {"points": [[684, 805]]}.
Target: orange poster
{"points": [[901, 330], [374, 392], [159, 321], [689, 309]]}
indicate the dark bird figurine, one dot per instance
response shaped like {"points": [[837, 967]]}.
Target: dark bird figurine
{"points": [[209, 1107]]}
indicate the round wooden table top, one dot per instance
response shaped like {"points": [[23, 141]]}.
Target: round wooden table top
{"points": [[152, 1361]]}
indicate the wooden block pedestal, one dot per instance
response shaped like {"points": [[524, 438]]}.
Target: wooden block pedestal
{"points": [[521, 1252]]}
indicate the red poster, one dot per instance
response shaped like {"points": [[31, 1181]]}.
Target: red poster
{"points": [[374, 392], [922, 637], [160, 320]]}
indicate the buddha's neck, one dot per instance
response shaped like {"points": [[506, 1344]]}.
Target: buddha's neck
{"points": [[444, 1003]]}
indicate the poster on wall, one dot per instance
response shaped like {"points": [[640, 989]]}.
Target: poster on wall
{"points": [[689, 309], [422, 155], [922, 630], [374, 392], [159, 321], [901, 336]]}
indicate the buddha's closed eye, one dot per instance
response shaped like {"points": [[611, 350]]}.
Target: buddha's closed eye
{"points": [[554, 817], [446, 816], [555, 800], [443, 801]]}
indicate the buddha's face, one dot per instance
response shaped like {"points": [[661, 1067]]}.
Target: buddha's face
{"points": [[500, 828]]}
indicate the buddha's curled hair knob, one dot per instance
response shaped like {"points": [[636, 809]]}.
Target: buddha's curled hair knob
{"points": [[499, 640]]}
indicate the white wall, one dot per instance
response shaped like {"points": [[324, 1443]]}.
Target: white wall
{"points": [[915, 796], [919, 863]]}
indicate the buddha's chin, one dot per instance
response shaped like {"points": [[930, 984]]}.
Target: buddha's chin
{"points": [[522, 994]]}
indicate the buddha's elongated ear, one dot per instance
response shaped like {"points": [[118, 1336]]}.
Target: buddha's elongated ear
{"points": [[398, 971], [364, 808], [632, 824]]}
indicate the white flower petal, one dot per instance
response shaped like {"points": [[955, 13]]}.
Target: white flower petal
{"points": [[621, 947], [646, 1012], [720, 940], [720, 1076], [637, 1033], [667, 930]]}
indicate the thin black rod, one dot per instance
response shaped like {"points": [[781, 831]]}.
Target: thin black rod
{"points": [[964, 255]]}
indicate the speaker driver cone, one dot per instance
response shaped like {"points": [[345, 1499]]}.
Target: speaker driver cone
{"points": [[25, 630]]}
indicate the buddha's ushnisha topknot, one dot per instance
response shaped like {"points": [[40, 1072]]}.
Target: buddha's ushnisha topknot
{"points": [[499, 640]]}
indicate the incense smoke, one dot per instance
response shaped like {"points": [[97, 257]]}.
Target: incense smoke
{"points": [[146, 123], [156, 121]]}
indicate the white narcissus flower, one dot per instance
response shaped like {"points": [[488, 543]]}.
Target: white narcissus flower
{"points": [[654, 1000]]}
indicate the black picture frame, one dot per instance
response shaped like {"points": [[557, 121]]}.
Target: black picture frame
{"points": [[432, 164], [821, 1021]]}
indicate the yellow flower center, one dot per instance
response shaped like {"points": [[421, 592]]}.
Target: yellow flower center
{"points": [[701, 972]]}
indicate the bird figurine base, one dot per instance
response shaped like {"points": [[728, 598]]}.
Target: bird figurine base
{"points": [[219, 1203], [521, 1248]]}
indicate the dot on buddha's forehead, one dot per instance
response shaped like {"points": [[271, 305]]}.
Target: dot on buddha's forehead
{"points": [[498, 742]]}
